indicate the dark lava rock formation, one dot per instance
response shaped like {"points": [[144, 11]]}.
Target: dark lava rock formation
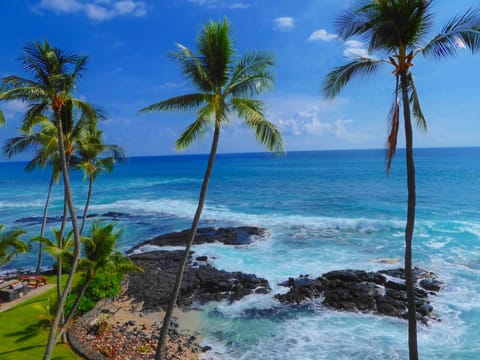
{"points": [[243, 235], [382, 292], [201, 283]]}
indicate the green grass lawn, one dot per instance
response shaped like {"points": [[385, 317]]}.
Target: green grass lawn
{"points": [[24, 331]]}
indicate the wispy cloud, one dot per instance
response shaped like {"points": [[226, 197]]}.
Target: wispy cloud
{"points": [[239, 5], [96, 9], [322, 35], [354, 48], [308, 123], [284, 23], [221, 3], [13, 107]]}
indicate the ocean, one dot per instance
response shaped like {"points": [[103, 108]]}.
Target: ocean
{"points": [[325, 210]]}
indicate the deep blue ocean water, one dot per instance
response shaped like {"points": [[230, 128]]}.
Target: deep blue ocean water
{"points": [[325, 210]]}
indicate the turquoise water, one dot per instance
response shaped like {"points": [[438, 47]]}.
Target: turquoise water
{"points": [[325, 211]]}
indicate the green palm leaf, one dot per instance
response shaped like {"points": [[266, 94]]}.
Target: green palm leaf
{"points": [[266, 132], [184, 102], [415, 102], [462, 31], [336, 80], [197, 129]]}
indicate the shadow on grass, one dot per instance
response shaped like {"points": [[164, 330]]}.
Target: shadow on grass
{"points": [[30, 331], [27, 303], [18, 350]]}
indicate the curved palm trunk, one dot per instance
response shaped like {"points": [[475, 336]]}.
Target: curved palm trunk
{"points": [[74, 308], [178, 280], [412, 313], [44, 223], [60, 245], [89, 196], [76, 252]]}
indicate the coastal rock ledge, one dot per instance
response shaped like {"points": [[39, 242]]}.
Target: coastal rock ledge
{"points": [[201, 281], [382, 292], [243, 235]]}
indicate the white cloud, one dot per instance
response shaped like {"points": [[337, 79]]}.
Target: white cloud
{"points": [[97, 9], [13, 107], [239, 5], [284, 23], [221, 3], [308, 123], [61, 5], [354, 48], [322, 35]]}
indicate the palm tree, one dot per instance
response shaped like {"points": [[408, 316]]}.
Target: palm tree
{"points": [[100, 255], [45, 143], [93, 157], [53, 75], [224, 86], [11, 245], [397, 29]]}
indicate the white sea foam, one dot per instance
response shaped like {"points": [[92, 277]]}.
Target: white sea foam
{"points": [[150, 248], [20, 204], [186, 209]]}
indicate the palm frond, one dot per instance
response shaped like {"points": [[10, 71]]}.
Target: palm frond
{"points": [[354, 20], [393, 120], [197, 129], [251, 74], [336, 80], [34, 115], [266, 132], [415, 102], [216, 51], [192, 67], [462, 31], [24, 93], [2, 118], [183, 102], [19, 144]]}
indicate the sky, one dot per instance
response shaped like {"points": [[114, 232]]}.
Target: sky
{"points": [[128, 41]]}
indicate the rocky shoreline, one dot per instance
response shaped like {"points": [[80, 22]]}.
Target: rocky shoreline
{"points": [[201, 282], [119, 329], [382, 292]]}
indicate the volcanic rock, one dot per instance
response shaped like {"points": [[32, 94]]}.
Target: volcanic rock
{"points": [[243, 235], [381, 292], [201, 283]]}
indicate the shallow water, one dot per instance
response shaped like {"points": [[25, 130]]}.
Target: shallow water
{"points": [[325, 211]]}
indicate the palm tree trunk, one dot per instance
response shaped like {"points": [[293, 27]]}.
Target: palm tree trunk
{"points": [[89, 196], [44, 222], [60, 245], [76, 252], [412, 312], [74, 308], [178, 281]]}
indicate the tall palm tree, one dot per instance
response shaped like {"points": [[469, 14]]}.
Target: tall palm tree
{"points": [[54, 73], [224, 86], [11, 245], [45, 143], [100, 256], [397, 29], [94, 157]]}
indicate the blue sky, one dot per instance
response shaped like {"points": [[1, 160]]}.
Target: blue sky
{"points": [[127, 43]]}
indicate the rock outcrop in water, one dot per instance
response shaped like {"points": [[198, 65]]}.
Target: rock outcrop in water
{"points": [[382, 292], [201, 282], [243, 235]]}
